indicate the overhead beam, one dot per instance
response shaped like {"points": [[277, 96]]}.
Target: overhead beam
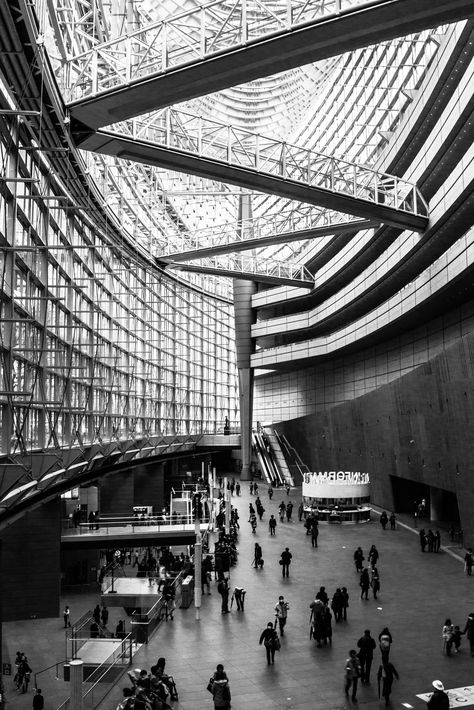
{"points": [[195, 73], [149, 153]]}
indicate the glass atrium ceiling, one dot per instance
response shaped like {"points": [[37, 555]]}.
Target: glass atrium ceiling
{"points": [[346, 106]]}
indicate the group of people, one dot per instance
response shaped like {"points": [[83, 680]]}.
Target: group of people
{"points": [[359, 664], [369, 576], [430, 540], [149, 690]]}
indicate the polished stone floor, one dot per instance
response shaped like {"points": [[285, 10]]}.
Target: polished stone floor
{"points": [[418, 591]]}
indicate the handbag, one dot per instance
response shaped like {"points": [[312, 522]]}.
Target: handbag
{"points": [[210, 685]]}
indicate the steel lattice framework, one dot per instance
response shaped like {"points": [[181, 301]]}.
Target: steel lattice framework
{"points": [[187, 37], [371, 193], [289, 225]]}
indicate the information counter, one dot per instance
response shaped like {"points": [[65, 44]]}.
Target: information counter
{"points": [[337, 497]]}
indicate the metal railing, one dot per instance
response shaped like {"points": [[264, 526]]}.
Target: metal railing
{"points": [[128, 524], [239, 147], [144, 625], [289, 222], [186, 37], [101, 681]]}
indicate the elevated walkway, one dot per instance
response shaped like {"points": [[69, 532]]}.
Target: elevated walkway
{"points": [[128, 532], [193, 144], [161, 65]]}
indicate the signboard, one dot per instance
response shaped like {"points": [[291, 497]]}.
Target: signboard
{"points": [[344, 477], [7, 669], [458, 697]]}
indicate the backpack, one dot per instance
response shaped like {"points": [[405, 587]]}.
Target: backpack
{"points": [[384, 643]]}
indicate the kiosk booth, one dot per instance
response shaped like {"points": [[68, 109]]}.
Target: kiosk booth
{"points": [[337, 496]]}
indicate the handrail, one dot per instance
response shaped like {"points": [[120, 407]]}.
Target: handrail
{"points": [[149, 525], [101, 671], [43, 670]]}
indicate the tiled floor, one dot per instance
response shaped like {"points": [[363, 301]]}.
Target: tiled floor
{"points": [[418, 591]]}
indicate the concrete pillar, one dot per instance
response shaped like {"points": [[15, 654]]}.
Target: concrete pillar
{"points": [[243, 314], [75, 684], [436, 504]]}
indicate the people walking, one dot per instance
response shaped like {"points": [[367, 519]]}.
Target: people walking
{"points": [[270, 640], [104, 615], [352, 674], [345, 602], [285, 562], [386, 673], [359, 559], [375, 582], [447, 636], [289, 511], [322, 595], [281, 613], [364, 584], [219, 687], [272, 523], [385, 643], [300, 511], [270, 492], [314, 533], [393, 521], [423, 540], [336, 605], [439, 699], [384, 520], [282, 510], [366, 645], [468, 562], [469, 631], [373, 556]]}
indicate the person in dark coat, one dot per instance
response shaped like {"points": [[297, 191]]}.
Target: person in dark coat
{"points": [[336, 605], [285, 561], [375, 582], [327, 625], [422, 539], [258, 557], [384, 520], [314, 533], [269, 638], [373, 556], [221, 691], [366, 645], [359, 559], [386, 673], [364, 584], [322, 595], [96, 614], [223, 589], [439, 699], [38, 700], [469, 631]]}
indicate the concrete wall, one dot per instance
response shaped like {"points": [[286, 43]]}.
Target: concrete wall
{"points": [[30, 563], [417, 428]]}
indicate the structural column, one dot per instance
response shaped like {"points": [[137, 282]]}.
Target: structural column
{"points": [[243, 291]]}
